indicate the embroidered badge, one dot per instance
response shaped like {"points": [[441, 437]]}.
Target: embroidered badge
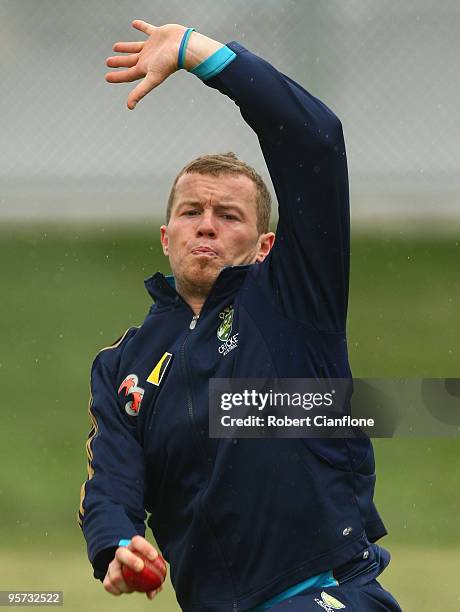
{"points": [[129, 386]]}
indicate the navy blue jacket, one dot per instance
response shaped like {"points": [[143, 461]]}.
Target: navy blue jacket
{"points": [[239, 520]]}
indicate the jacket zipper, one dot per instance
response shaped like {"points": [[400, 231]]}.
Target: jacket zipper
{"points": [[188, 393], [189, 400]]}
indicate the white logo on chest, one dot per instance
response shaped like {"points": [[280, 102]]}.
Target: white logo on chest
{"points": [[229, 345]]}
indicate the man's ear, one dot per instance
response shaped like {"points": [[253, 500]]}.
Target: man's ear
{"points": [[164, 239], [266, 242]]}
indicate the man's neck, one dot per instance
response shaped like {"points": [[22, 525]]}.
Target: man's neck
{"points": [[193, 295], [196, 306]]}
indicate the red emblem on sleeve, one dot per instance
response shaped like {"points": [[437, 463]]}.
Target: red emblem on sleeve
{"points": [[129, 386]]}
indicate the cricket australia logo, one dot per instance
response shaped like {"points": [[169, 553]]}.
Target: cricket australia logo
{"points": [[129, 386], [329, 603], [225, 328], [224, 332]]}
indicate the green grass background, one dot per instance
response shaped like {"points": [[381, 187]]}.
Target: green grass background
{"points": [[67, 291]]}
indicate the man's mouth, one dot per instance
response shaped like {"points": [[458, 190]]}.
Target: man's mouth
{"points": [[204, 250]]}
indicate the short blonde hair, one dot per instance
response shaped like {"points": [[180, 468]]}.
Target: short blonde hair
{"points": [[228, 163]]}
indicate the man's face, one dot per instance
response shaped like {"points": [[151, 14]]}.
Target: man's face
{"points": [[213, 224]]}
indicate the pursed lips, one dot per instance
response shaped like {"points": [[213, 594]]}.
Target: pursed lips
{"points": [[204, 250]]}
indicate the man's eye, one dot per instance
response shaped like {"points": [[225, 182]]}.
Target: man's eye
{"points": [[191, 213], [230, 217]]}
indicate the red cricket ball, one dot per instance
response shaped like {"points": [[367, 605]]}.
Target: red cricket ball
{"points": [[150, 578]]}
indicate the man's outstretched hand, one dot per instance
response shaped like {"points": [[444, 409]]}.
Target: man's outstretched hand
{"points": [[152, 60], [155, 59]]}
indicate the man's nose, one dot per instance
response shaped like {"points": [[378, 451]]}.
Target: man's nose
{"points": [[206, 225]]}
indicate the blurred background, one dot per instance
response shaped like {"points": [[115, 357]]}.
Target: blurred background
{"points": [[83, 187]]}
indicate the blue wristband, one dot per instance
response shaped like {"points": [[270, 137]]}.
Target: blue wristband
{"points": [[124, 542], [214, 64], [183, 47]]}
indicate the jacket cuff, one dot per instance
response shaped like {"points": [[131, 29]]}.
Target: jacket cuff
{"points": [[214, 64], [101, 562]]}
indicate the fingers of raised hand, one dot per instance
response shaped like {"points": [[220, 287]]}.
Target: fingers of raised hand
{"points": [[124, 76], [114, 582], [143, 26], [145, 86], [129, 47], [122, 61]]}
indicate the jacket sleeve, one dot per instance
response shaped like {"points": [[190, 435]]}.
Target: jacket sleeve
{"points": [[302, 143], [112, 497]]}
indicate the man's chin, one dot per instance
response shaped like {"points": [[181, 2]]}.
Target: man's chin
{"points": [[202, 275]]}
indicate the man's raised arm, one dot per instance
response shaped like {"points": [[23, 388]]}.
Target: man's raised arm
{"points": [[302, 143]]}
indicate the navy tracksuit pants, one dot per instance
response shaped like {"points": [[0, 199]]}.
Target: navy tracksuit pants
{"points": [[358, 589], [371, 597]]}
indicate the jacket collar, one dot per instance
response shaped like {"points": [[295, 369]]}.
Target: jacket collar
{"points": [[162, 288]]}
